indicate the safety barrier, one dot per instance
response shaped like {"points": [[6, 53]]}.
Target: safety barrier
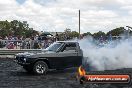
{"points": [[16, 51]]}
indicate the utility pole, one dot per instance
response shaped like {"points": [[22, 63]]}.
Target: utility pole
{"points": [[79, 24]]}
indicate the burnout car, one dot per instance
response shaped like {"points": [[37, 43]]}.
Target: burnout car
{"points": [[59, 55]]}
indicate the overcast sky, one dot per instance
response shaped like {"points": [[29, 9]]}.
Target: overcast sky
{"points": [[57, 15]]}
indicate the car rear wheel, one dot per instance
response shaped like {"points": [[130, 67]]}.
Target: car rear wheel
{"points": [[40, 67]]}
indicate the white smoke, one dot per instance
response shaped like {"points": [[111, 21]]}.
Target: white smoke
{"points": [[113, 55]]}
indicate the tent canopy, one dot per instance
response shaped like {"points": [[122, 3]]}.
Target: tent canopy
{"points": [[46, 34]]}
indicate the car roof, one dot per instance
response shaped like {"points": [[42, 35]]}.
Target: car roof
{"points": [[67, 41]]}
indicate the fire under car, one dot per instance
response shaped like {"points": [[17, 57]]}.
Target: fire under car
{"points": [[59, 55]]}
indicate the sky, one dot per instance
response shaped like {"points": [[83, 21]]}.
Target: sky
{"points": [[57, 15]]}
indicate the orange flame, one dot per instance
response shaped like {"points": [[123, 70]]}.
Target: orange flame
{"points": [[81, 71]]}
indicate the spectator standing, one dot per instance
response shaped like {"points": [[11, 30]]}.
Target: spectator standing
{"points": [[46, 44], [1, 45], [57, 36]]}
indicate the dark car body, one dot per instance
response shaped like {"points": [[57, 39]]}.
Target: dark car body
{"points": [[60, 55]]}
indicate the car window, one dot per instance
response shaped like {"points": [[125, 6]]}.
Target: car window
{"points": [[54, 47], [69, 47]]}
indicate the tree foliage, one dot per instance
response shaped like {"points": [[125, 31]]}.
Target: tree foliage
{"points": [[116, 31], [74, 34], [99, 34], [70, 33], [16, 28], [87, 34]]}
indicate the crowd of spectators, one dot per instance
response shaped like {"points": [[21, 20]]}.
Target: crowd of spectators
{"points": [[34, 42]]}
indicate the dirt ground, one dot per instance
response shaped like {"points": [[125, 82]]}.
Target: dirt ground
{"points": [[14, 76]]}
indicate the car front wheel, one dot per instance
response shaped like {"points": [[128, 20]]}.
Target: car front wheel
{"points": [[40, 67]]}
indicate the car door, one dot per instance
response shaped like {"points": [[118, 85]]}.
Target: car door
{"points": [[69, 55]]}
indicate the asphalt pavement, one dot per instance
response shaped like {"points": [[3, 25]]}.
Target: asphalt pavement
{"points": [[13, 75]]}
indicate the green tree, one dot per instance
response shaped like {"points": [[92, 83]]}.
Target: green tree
{"points": [[74, 34], [116, 31], [87, 34], [99, 34], [16, 28], [4, 28]]}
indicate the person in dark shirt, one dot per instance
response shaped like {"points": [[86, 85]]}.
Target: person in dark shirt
{"points": [[57, 36]]}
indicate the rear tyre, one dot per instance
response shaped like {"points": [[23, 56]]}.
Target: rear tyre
{"points": [[40, 68]]}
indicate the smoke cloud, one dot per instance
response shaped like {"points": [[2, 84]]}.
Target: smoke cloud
{"points": [[113, 55]]}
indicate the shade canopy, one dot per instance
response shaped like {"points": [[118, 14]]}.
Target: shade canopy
{"points": [[46, 34]]}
